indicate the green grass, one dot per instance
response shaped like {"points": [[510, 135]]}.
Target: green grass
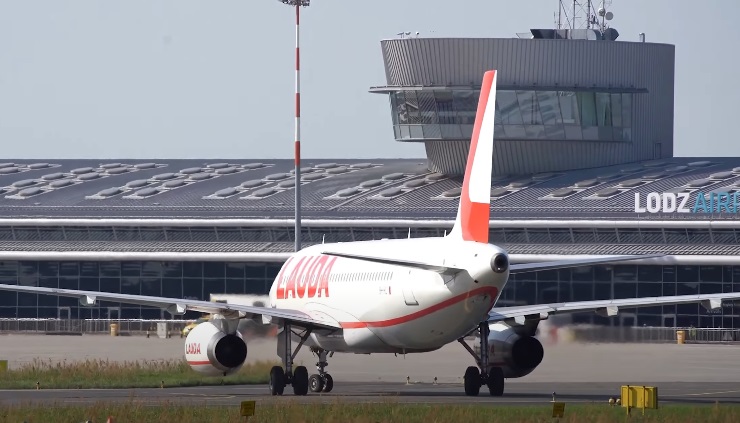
{"points": [[110, 374], [288, 412]]}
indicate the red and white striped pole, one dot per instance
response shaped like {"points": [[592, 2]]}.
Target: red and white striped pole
{"points": [[297, 127]]}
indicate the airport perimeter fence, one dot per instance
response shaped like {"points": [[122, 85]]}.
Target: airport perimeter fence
{"points": [[646, 334]]}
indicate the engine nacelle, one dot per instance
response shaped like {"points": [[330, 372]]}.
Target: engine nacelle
{"points": [[516, 353], [211, 351]]}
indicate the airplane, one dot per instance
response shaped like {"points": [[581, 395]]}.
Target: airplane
{"points": [[394, 296]]}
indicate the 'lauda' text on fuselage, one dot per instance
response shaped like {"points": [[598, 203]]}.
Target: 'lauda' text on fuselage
{"points": [[308, 278]]}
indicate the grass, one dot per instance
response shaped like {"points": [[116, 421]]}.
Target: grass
{"points": [[362, 413], [111, 374]]}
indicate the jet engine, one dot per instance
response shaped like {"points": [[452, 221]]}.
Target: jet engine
{"points": [[213, 351], [514, 351]]}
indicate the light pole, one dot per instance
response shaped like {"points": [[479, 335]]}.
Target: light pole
{"points": [[297, 4]]}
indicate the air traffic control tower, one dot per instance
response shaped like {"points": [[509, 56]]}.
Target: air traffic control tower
{"points": [[571, 97]]}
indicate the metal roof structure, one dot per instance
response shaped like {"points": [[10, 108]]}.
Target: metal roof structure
{"points": [[334, 190]]}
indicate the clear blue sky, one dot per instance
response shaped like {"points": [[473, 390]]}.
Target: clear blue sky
{"points": [[187, 78]]}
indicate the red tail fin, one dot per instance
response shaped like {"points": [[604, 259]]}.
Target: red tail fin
{"points": [[474, 211]]}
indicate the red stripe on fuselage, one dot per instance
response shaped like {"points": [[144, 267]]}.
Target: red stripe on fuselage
{"points": [[199, 363], [493, 291]]}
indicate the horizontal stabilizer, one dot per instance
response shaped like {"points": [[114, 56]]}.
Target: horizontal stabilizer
{"points": [[561, 264]]}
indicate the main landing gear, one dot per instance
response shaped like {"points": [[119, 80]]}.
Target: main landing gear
{"points": [[298, 378], [475, 377]]}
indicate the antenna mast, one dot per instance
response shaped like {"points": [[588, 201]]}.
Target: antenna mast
{"points": [[583, 14]]}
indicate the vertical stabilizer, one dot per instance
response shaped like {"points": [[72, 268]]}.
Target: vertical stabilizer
{"points": [[473, 214]]}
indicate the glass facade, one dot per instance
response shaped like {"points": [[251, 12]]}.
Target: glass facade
{"points": [[553, 235], [192, 280], [197, 280], [520, 115]]}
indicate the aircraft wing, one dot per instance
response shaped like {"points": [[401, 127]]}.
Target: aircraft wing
{"points": [[560, 264], [445, 270], [604, 307], [180, 306]]}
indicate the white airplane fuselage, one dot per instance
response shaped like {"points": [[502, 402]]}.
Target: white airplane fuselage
{"points": [[388, 308]]}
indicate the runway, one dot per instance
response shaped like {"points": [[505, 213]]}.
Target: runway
{"points": [[373, 392], [695, 374]]}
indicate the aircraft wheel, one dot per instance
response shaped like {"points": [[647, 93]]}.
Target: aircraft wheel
{"points": [[316, 383], [472, 381], [495, 382], [328, 382], [277, 380], [300, 381]]}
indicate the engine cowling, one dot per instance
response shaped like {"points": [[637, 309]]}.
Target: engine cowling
{"points": [[516, 353], [211, 351]]}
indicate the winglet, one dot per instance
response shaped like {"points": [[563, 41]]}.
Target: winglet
{"points": [[474, 211]]}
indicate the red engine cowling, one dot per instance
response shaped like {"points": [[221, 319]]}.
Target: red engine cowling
{"points": [[211, 351], [517, 354]]}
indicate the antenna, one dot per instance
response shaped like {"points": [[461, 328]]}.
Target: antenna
{"points": [[583, 14]]}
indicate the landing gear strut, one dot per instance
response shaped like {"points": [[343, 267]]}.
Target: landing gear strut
{"points": [[323, 381], [475, 377], [280, 378]]}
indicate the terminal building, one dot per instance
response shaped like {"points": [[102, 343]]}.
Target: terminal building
{"points": [[584, 127]]}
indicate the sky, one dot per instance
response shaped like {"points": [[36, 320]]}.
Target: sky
{"points": [[215, 79]]}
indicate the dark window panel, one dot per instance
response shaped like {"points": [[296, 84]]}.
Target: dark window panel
{"points": [[649, 290], [272, 270], [234, 286], [90, 283], [214, 269], [625, 273], [8, 298], [603, 291], [213, 286], [130, 285], [131, 268], [172, 269], [192, 289], [235, 270], [152, 269], [111, 284], [583, 274], [9, 270], [625, 289], [255, 287], [151, 286], [254, 271], [110, 268], [710, 273], [28, 269], [192, 269], [647, 273], [687, 274], [89, 268], [172, 287], [48, 268], [69, 268], [583, 291], [669, 273]]}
